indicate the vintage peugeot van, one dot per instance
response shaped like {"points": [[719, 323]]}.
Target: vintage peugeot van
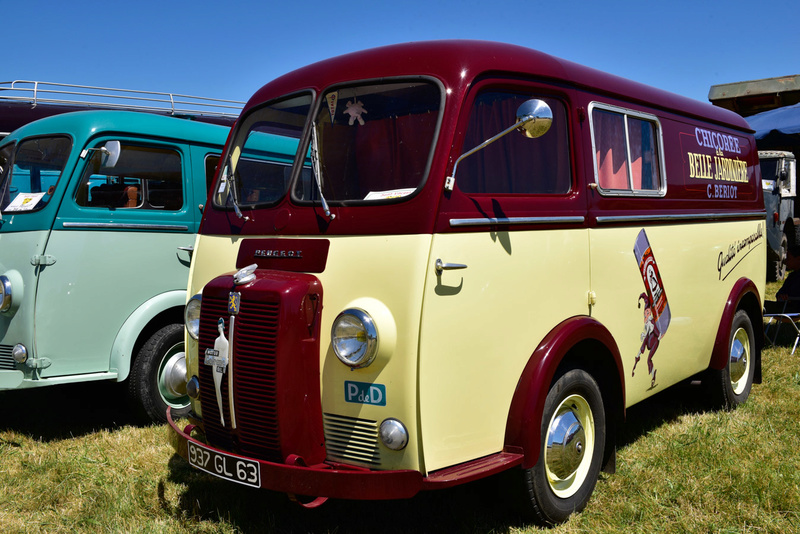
{"points": [[99, 211], [480, 256]]}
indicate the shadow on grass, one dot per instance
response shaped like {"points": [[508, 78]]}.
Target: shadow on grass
{"points": [[64, 411], [665, 407], [489, 505], [482, 506]]}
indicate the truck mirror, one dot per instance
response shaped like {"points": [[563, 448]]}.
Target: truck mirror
{"points": [[534, 118], [111, 151]]}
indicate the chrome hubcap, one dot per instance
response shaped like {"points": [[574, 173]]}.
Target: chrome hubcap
{"points": [[172, 377], [565, 444], [739, 360], [570, 441]]}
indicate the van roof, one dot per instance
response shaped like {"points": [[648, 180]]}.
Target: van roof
{"points": [[458, 62], [87, 123]]}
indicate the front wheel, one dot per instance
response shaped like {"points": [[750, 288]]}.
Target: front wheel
{"points": [[148, 388], [573, 434], [730, 387]]}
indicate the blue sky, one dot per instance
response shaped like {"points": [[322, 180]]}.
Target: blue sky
{"points": [[228, 49]]}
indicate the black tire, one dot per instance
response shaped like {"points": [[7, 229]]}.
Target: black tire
{"points": [[777, 268], [563, 479], [146, 387], [730, 387]]}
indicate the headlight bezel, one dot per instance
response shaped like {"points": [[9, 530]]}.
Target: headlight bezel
{"points": [[342, 345], [6, 294], [191, 316]]}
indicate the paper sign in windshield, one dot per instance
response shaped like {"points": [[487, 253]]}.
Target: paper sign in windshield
{"points": [[25, 202], [393, 193]]}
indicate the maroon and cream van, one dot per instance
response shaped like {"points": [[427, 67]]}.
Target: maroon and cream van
{"points": [[475, 259]]}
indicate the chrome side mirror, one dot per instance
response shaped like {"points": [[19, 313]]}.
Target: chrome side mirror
{"points": [[534, 118], [111, 150]]}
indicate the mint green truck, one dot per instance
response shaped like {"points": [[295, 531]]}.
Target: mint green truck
{"points": [[98, 216]]}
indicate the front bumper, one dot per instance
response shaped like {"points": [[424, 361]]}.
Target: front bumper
{"points": [[323, 480]]}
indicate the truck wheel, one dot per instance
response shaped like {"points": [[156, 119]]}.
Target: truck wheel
{"points": [[573, 434], [730, 387], [147, 388], [777, 270]]}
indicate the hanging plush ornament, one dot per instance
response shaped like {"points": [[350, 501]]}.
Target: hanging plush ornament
{"points": [[355, 110]]}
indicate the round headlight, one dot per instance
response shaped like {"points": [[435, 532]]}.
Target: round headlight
{"points": [[191, 316], [354, 338], [393, 434], [19, 353], [5, 293]]}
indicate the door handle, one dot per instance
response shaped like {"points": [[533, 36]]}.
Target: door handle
{"points": [[441, 266]]}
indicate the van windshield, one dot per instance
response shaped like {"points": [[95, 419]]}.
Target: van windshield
{"points": [[373, 141], [368, 143], [30, 172]]}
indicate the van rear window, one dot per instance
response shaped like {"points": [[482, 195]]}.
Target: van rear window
{"points": [[626, 152]]}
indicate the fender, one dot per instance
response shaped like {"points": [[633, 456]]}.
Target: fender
{"points": [[527, 406], [122, 350], [736, 300]]}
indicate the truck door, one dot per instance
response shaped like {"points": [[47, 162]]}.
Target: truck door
{"points": [[114, 245], [512, 256]]}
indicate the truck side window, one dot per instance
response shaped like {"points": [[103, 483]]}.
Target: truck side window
{"points": [[144, 177], [514, 164], [625, 152]]}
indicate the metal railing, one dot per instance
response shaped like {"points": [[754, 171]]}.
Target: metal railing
{"points": [[37, 93]]}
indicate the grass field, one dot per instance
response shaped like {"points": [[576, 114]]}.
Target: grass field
{"points": [[71, 461]]}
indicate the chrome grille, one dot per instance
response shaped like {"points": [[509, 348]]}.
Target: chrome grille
{"points": [[253, 363], [351, 440], [6, 361]]}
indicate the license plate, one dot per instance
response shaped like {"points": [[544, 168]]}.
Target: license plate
{"points": [[233, 468]]}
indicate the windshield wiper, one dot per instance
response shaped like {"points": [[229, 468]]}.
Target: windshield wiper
{"points": [[231, 192], [318, 171]]}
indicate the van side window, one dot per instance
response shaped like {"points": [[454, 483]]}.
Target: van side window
{"points": [[144, 177], [626, 154], [514, 164]]}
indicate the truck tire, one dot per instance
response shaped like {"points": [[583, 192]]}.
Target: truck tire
{"points": [[147, 390], [573, 434], [730, 387], [777, 268]]}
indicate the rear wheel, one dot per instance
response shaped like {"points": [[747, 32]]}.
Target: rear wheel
{"points": [[730, 387], [148, 389], [573, 434]]}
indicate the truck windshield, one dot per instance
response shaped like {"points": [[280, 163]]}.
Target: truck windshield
{"points": [[369, 143], [30, 172]]}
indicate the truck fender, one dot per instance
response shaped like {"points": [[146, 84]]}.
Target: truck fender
{"points": [[122, 350], [744, 295], [527, 405]]}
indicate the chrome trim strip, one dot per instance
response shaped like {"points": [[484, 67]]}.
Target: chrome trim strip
{"points": [[681, 217], [231, 333], [127, 226], [505, 221]]}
